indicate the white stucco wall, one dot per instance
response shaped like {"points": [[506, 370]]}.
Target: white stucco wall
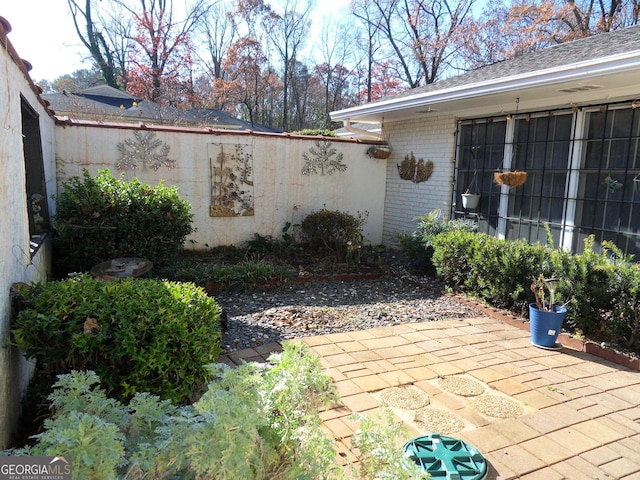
{"points": [[430, 138], [16, 262], [281, 193]]}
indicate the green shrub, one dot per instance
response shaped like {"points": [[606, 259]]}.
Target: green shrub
{"points": [[316, 131], [584, 283], [138, 335], [601, 291], [332, 232], [624, 288], [103, 217], [418, 245], [255, 421]]}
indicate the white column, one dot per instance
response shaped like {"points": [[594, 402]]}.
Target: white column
{"points": [[573, 181], [503, 208]]}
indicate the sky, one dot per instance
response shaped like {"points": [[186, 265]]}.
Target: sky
{"points": [[42, 33]]}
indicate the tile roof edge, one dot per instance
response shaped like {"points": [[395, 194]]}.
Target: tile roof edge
{"points": [[66, 121]]}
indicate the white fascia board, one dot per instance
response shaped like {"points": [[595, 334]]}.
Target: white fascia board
{"points": [[581, 71]]}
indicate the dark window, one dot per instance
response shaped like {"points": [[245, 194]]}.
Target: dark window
{"points": [[599, 197], [480, 153], [608, 199], [37, 205], [541, 147]]}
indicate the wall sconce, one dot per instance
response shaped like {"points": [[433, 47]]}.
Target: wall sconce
{"points": [[634, 104], [508, 117]]}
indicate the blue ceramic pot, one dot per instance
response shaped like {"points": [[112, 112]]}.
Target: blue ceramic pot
{"points": [[545, 326]]}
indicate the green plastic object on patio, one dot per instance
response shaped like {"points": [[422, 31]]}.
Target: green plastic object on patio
{"points": [[446, 457]]}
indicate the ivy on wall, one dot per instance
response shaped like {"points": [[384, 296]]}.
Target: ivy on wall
{"points": [[231, 180], [146, 150], [318, 160], [415, 170]]}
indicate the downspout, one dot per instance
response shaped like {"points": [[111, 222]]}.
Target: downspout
{"points": [[359, 132]]}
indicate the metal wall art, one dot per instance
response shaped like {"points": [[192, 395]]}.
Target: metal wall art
{"points": [[231, 167], [318, 160], [146, 150]]}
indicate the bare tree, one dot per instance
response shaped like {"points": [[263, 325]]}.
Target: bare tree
{"points": [[419, 35], [93, 36], [287, 32], [588, 17], [362, 10], [335, 54], [217, 34]]}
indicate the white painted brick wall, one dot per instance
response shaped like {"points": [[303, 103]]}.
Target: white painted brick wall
{"points": [[430, 138]]}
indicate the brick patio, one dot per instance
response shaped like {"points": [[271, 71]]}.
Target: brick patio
{"points": [[581, 417]]}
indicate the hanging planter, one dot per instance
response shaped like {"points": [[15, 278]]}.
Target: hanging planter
{"points": [[379, 151], [510, 179], [470, 201]]}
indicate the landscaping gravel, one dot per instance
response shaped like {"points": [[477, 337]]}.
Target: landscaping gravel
{"points": [[302, 309]]}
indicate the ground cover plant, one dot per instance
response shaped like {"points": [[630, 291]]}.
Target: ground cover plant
{"points": [[257, 421], [326, 243]]}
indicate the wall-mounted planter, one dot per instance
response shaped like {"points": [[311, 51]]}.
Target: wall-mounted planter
{"points": [[379, 151], [470, 201]]}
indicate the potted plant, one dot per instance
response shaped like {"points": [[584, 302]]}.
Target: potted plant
{"points": [[470, 200], [545, 318]]}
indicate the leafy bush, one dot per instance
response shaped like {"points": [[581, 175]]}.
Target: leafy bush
{"points": [[138, 335], [102, 218], [624, 288], [418, 245], [333, 232], [255, 421]]}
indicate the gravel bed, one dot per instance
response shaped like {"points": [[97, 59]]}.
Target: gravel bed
{"points": [[324, 307], [438, 420]]}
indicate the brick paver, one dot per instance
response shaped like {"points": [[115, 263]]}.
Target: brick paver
{"points": [[581, 415]]}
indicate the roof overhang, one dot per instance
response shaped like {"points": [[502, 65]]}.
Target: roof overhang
{"points": [[608, 79]]}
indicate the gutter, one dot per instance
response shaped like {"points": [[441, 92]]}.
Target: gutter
{"points": [[582, 71]]}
